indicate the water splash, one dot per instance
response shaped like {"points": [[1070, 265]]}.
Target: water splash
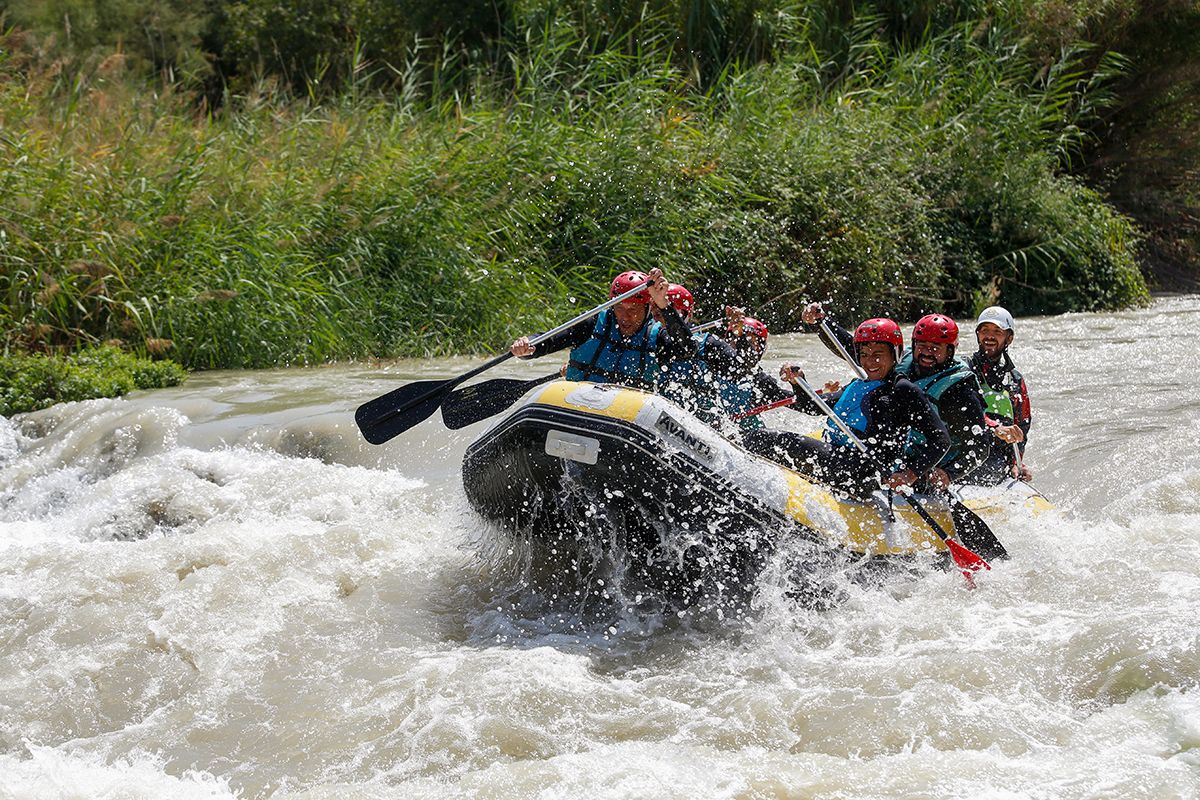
{"points": [[194, 603]]}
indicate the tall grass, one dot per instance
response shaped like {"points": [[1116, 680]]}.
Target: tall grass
{"points": [[471, 205]]}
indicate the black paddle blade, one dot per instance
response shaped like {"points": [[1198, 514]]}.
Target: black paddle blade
{"points": [[974, 533], [398, 410], [482, 400], [392, 414]]}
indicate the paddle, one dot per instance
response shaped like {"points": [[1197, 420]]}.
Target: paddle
{"points": [[854, 365], [392, 414], [479, 401], [476, 402], [967, 561]]}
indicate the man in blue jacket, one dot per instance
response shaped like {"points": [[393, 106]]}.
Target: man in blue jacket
{"points": [[623, 344]]}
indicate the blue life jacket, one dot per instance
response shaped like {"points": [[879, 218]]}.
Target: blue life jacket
{"points": [[693, 385], [608, 357], [690, 383], [849, 408], [693, 372], [935, 386], [739, 397]]}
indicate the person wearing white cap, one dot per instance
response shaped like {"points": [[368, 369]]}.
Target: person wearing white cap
{"points": [[1005, 395]]}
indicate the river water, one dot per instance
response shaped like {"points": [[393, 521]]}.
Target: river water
{"points": [[219, 590]]}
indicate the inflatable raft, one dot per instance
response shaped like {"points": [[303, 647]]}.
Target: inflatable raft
{"points": [[586, 462]]}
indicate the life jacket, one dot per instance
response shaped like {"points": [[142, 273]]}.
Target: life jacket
{"points": [[998, 404], [849, 408], [738, 397], [692, 375], [693, 385], [935, 386], [608, 357], [1001, 386]]}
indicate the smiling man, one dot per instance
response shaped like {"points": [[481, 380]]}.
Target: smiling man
{"points": [[954, 392], [1004, 393]]}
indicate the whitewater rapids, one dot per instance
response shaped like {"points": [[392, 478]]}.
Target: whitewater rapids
{"points": [[220, 590]]}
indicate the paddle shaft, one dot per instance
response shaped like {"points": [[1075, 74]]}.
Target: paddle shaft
{"points": [[827, 411], [704, 326], [621, 298], [966, 560], [787, 401], [1016, 448], [376, 416], [854, 365]]}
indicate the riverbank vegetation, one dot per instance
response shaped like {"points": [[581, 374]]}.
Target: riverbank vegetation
{"points": [[31, 381], [246, 186]]}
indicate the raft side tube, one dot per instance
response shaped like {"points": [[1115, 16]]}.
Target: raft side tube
{"points": [[620, 439]]}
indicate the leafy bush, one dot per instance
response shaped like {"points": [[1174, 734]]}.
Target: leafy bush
{"points": [[917, 175], [146, 37], [34, 381]]}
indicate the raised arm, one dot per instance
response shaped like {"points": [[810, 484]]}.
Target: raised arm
{"points": [[813, 314], [677, 344]]}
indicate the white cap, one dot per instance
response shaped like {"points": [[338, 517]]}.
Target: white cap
{"points": [[998, 316]]}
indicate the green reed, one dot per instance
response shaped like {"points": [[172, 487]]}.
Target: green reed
{"points": [[472, 205]]}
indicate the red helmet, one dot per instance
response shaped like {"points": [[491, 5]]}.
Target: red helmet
{"points": [[880, 329], [755, 328], [681, 298], [936, 328], [628, 280]]}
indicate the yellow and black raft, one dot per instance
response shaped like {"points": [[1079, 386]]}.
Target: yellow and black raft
{"points": [[692, 511]]}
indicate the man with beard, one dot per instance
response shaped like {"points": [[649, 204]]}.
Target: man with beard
{"points": [[950, 386], [1005, 396]]}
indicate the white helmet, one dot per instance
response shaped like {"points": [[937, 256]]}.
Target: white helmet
{"points": [[998, 316]]}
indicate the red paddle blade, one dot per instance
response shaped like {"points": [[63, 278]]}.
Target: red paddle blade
{"points": [[967, 561]]}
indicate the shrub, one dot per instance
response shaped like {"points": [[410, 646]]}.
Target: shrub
{"points": [[34, 381], [921, 176]]}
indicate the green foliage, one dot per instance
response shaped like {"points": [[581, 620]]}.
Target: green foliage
{"points": [[1148, 161], [31, 382], [309, 45], [315, 45], [144, 36], [890, 173]]}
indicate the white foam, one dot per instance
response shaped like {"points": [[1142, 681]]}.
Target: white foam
{"points": [[188, 608], [50, 774]]}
